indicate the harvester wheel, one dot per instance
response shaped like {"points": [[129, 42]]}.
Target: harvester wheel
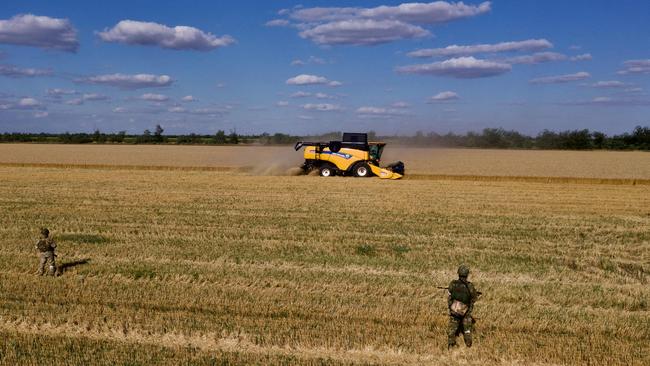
{"points": [[327, 171], [362, 170]]}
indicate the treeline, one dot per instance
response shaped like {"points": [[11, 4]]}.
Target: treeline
{"points": [[493, 138]]}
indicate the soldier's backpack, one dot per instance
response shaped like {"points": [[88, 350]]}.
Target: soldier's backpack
{"points": [[43, 245], [461, 298]]}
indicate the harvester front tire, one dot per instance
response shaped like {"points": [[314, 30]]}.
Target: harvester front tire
{"points": [[362, 170], [327, 171]]}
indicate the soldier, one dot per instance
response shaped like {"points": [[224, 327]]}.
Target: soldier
{"points": [[460, 301], [46, 245]]}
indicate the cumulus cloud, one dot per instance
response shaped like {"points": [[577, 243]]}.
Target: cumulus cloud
{"points": [[23, 104], [311, 60], [460, 68], [154, 97], [177, 110], [583, 57], [400, 105], [635, 67], [612, 102], [188, 98], [125, 81], [444, 96], [306, 79], [424, 13], [282, 103], [87, 97], [153, 34], [16, 72], [58, 93], [379, 112], [277, 23], [561, 78], [536, 58], [455, 50], [371, 26], [301, 94], [362, 32], [609, 84], [39, 31], [321, 107]]}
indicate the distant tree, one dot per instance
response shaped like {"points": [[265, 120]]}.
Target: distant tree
{"points": [[157, 135], [219, 137], [598, 139], [233, 138]]}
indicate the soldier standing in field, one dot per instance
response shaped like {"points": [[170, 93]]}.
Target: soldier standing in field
{"points": [[460, 301], [45, 246]]}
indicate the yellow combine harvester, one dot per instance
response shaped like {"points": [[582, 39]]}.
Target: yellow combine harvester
{"points": [[352, 156]]}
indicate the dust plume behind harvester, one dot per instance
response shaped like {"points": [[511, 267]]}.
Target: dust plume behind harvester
{"points": [[352, 156]]}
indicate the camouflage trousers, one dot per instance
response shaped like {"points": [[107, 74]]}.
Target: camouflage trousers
{"points": [[45, 258], [459, 326]]}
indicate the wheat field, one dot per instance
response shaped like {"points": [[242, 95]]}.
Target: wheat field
{"points": [[205, 267]]}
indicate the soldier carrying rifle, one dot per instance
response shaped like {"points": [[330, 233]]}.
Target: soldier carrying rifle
{"points": [[460, 301], [45, 246]]}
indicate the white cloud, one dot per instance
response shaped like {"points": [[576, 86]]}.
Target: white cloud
{"points": [[301, 94], [188, 98], [322, 107], [154, 97], [41, 114], [75, 101], [16, 72], [58, 93], [382, 24], [39, 31], [425, 13], [323, 96], [302, 116], [277, 23], [635, 67], [94, 97], [282, 103], [444, 96], [154, 34], [362, 32], [561, 78], [23, 104], [177, 110], [379, 112], [609, 84], [311, 60], [400, 105], [461, 68], [305, 79], [119, 110], [297, 63], [583, 57], [536, 58], [455, 50], [125, 81]]}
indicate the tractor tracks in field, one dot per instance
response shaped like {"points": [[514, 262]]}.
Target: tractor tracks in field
{"points": [[249, 170]]}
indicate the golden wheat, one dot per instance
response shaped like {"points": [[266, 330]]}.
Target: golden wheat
{"points": [[209, 267]]}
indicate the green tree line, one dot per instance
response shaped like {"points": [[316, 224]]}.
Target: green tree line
{"points": [[493, 138]]}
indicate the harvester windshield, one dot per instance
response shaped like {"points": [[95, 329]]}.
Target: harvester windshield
{"points": [[375, 151]]}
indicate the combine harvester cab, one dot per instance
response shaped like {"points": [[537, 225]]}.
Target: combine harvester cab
{"points": [[352, 156]]}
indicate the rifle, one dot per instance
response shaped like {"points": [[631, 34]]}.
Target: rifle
{"points": [[479, 293]]}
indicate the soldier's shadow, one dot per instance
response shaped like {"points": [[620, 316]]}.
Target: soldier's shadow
{"points": [[63, 267]]}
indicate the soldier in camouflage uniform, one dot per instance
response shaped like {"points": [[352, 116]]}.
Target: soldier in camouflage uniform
{"points": [[460, 302], [45, 246]]}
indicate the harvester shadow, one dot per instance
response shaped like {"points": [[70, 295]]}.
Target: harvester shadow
{"points": [[67, 265]]}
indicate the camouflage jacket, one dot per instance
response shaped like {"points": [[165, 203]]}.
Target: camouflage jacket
{"points": [[464, 292], [45, 245]]}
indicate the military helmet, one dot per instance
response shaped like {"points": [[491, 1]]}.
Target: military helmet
{"points": [[463, 271], [45, 232]]}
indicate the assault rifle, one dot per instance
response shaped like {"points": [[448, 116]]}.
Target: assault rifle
{"points": [[479, 293]]}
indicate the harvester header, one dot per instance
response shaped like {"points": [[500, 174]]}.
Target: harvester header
{"points": [[352, 156]]}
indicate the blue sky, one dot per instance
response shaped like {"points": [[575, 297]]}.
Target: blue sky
{"points": [[317, 66]]}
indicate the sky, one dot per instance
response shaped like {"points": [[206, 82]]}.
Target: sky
{"points": [[305, 67]]}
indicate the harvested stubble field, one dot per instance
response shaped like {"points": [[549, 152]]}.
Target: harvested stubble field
{"points": [[216, 267]]}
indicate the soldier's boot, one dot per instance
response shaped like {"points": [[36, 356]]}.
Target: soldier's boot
{"points": [[467, 337]]}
